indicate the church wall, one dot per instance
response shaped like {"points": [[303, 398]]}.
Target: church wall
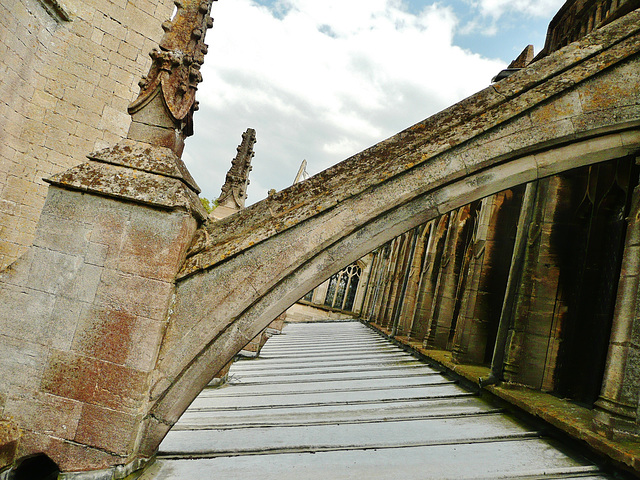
{"points": [[68, 73]]}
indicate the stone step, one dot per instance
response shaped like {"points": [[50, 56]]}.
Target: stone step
{"points": [[373, 434], [332, 385], [196, 418], [336, 401], [492, 460]]}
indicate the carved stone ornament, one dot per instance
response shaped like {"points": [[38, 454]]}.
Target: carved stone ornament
{"points": [[175, 71], [234, 190]]}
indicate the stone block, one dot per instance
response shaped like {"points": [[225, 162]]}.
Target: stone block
{"points": [[109, 222], [92, 381], [53, 272], [67, 234], [105, 334], [45, 100], [69, 456], [133, 294], [129, 51], [96, 254], [71, 376], [145, 340], [107, 429], [565, 106], [578, 154], [154, 244], [120, 387], [18, 300], [64, 321], [116, 121], [47, 414], [97, 36], [616, 88], [22, 362]]}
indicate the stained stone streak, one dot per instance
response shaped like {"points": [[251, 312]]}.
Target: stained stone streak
{"points": [[333, 400]]}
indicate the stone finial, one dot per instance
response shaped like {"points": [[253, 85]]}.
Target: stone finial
{"points": [[234, 190], [524, 59], [163, 112], [302, 173]]}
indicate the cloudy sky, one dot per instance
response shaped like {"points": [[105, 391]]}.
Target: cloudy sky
{"points": [[323, 79]]}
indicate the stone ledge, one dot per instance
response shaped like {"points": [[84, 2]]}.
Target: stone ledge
{"points": [[146, 158], [126, 183], [58, 10], [572, 419]]}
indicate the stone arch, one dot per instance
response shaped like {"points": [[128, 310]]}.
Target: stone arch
{"points": [[547, 119], [274, 286]]}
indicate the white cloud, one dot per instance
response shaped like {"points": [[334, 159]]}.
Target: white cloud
{"points": [[321, 80], [535, 8]]}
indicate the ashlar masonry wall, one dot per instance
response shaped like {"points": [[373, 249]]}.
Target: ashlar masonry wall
{"points": [[69, 69]]}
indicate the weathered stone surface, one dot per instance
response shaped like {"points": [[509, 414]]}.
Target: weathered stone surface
{"points": [[9, 438], [136, 186], [107, 429], [69, 456], [147, 158], [54, 415], [65, 86], [82, 319]]}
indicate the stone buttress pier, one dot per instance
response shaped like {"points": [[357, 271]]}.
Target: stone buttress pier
{"points": [[85, 309]]}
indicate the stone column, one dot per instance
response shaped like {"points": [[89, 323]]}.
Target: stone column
{"points": [[384, 274], [392, 286], [409, 303], [398, 280], [372, 282], [466, 339], [484, 295], [445, 298], [534, 336], [619, 402], [405, 278], [421, 319], [366, 265]]}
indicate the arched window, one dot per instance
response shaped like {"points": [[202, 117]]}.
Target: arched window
{"points": [[342, 289]]}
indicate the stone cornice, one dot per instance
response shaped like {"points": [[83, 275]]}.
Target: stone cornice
{"points": [[136, 172]]}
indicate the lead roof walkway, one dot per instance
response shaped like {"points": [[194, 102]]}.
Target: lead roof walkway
{"points": [[338, 401]]}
